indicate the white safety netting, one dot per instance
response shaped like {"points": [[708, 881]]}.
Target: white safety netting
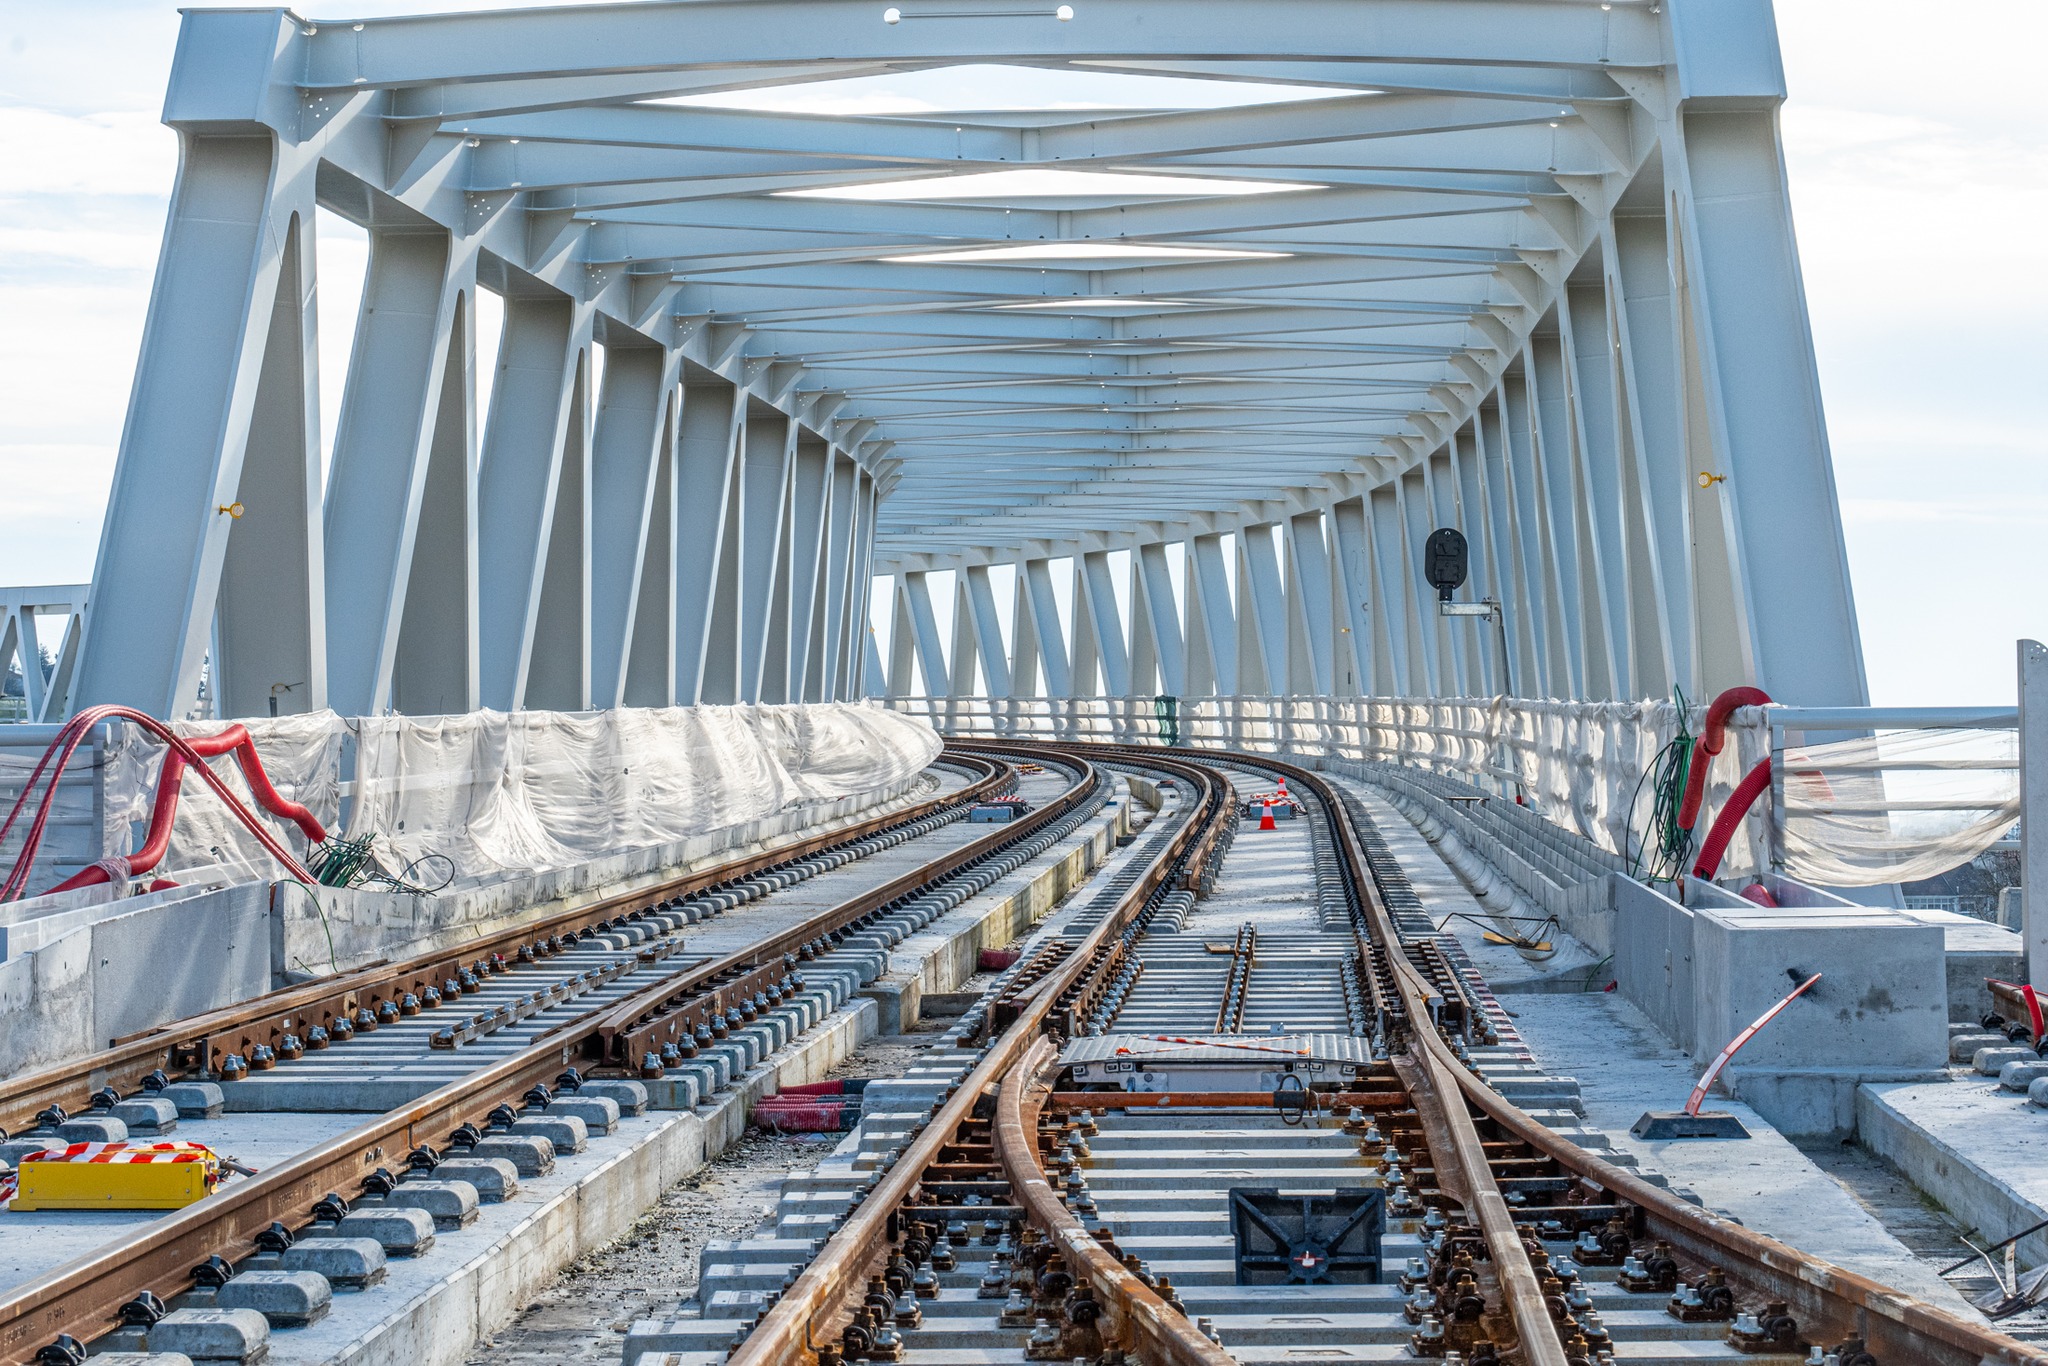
{"points": [[525, 790], [1580, 764], [301, 755], [1897, 806], [497, 792]]}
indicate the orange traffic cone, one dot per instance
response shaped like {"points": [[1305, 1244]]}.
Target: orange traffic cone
{"points": [[1266, 821]]}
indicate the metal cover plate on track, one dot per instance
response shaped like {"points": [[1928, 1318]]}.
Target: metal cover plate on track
{"points": [[1215, 1062], [1236, 1049], [1289, 1237]]}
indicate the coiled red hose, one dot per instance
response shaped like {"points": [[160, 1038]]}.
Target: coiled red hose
{"points": [[183, 754], [1753, 785], [1713, 735]]}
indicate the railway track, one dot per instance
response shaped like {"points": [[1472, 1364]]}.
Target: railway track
{"points": [[1169, 1128], [336, 1008], [535, 1027], [1177, 1131]]}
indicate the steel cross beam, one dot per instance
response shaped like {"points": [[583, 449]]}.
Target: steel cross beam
{"points": [[1521, 266]]}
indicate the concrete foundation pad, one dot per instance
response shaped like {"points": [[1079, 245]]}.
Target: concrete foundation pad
{"points": [[599, 1114], [153, 1115], [2021, 1073], [213, 1335], [1980, 1151], [286, 1299], [1990, 1061], [93, 1129], [449, 1202], [15, 1149], [529, 1154], [142, 1359], [493, 1178], [629, 1096], [347, 1263], [1963, 1047], [400, 1232], [566, 1132]]}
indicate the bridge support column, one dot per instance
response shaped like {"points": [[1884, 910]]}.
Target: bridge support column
{"points": [[810, 496], [823, 676], [770, 452], [223, 412], [532, 505], [401, 494], [702, 512], [626, 455]]}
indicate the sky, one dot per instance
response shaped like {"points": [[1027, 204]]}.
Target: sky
{"points": [[1918, 154]]}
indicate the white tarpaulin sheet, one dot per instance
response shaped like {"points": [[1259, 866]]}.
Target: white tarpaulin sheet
{"points": [[499, 792], [1897, 806]]}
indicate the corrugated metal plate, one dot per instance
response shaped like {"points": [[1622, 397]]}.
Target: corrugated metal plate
{"points": [[1236, 1049]]}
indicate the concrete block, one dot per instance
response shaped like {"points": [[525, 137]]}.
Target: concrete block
{"points": [[196, 1099], [147, 1115], [600, 1114], [676, 1089], [899, 1002], [286, 1299], [566, 1132], [400, 1231], [93, 1129], [141, 1359], [15, 1149], [530, 1154], [629, 1096], [494, 1178], [350, 1263], [2037, 1092], [453, 1204], [1963, 1047], [1988, 1061], [204, 1335], [2021, 1073], [1876, 1009]]}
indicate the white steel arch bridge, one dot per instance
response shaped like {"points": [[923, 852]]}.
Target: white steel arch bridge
{"points": [[1169, 386]]}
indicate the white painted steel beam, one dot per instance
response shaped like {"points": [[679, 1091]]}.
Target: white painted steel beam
{"points": [[1524, 267]]}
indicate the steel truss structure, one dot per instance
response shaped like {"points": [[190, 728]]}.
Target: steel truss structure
{"points": [[1525, 267]]}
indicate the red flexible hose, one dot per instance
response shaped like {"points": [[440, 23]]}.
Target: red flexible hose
{"points": [[1713, 735], [1753, 785], [183, 753]]}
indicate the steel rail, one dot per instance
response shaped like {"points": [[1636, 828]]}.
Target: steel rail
{"points": [[190, 1046], [82, 1297], [812, 1312], [1437, 1070], [1828, 1300], [1139, 1321], [1535, 1329]]}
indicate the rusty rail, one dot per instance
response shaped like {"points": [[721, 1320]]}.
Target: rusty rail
{"points": [[1828, 1300], [82, 1297], [1138, 1321], [813, 1312], [191, 1046]]}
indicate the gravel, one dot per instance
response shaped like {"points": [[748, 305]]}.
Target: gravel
{"points": [[650, 1269]]}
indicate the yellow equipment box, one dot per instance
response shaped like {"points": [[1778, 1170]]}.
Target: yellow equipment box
{"points": [[117, 1176]]}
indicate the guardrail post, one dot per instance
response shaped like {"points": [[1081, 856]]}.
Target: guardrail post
{"points": [[2033, 660]]}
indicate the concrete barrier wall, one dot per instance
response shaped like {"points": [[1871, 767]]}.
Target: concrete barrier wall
{"points": [[144, 961], [1703, 972]]}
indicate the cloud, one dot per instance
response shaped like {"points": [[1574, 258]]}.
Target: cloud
{"points": [[2028, 510], [26, 249], [122, 153]]}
